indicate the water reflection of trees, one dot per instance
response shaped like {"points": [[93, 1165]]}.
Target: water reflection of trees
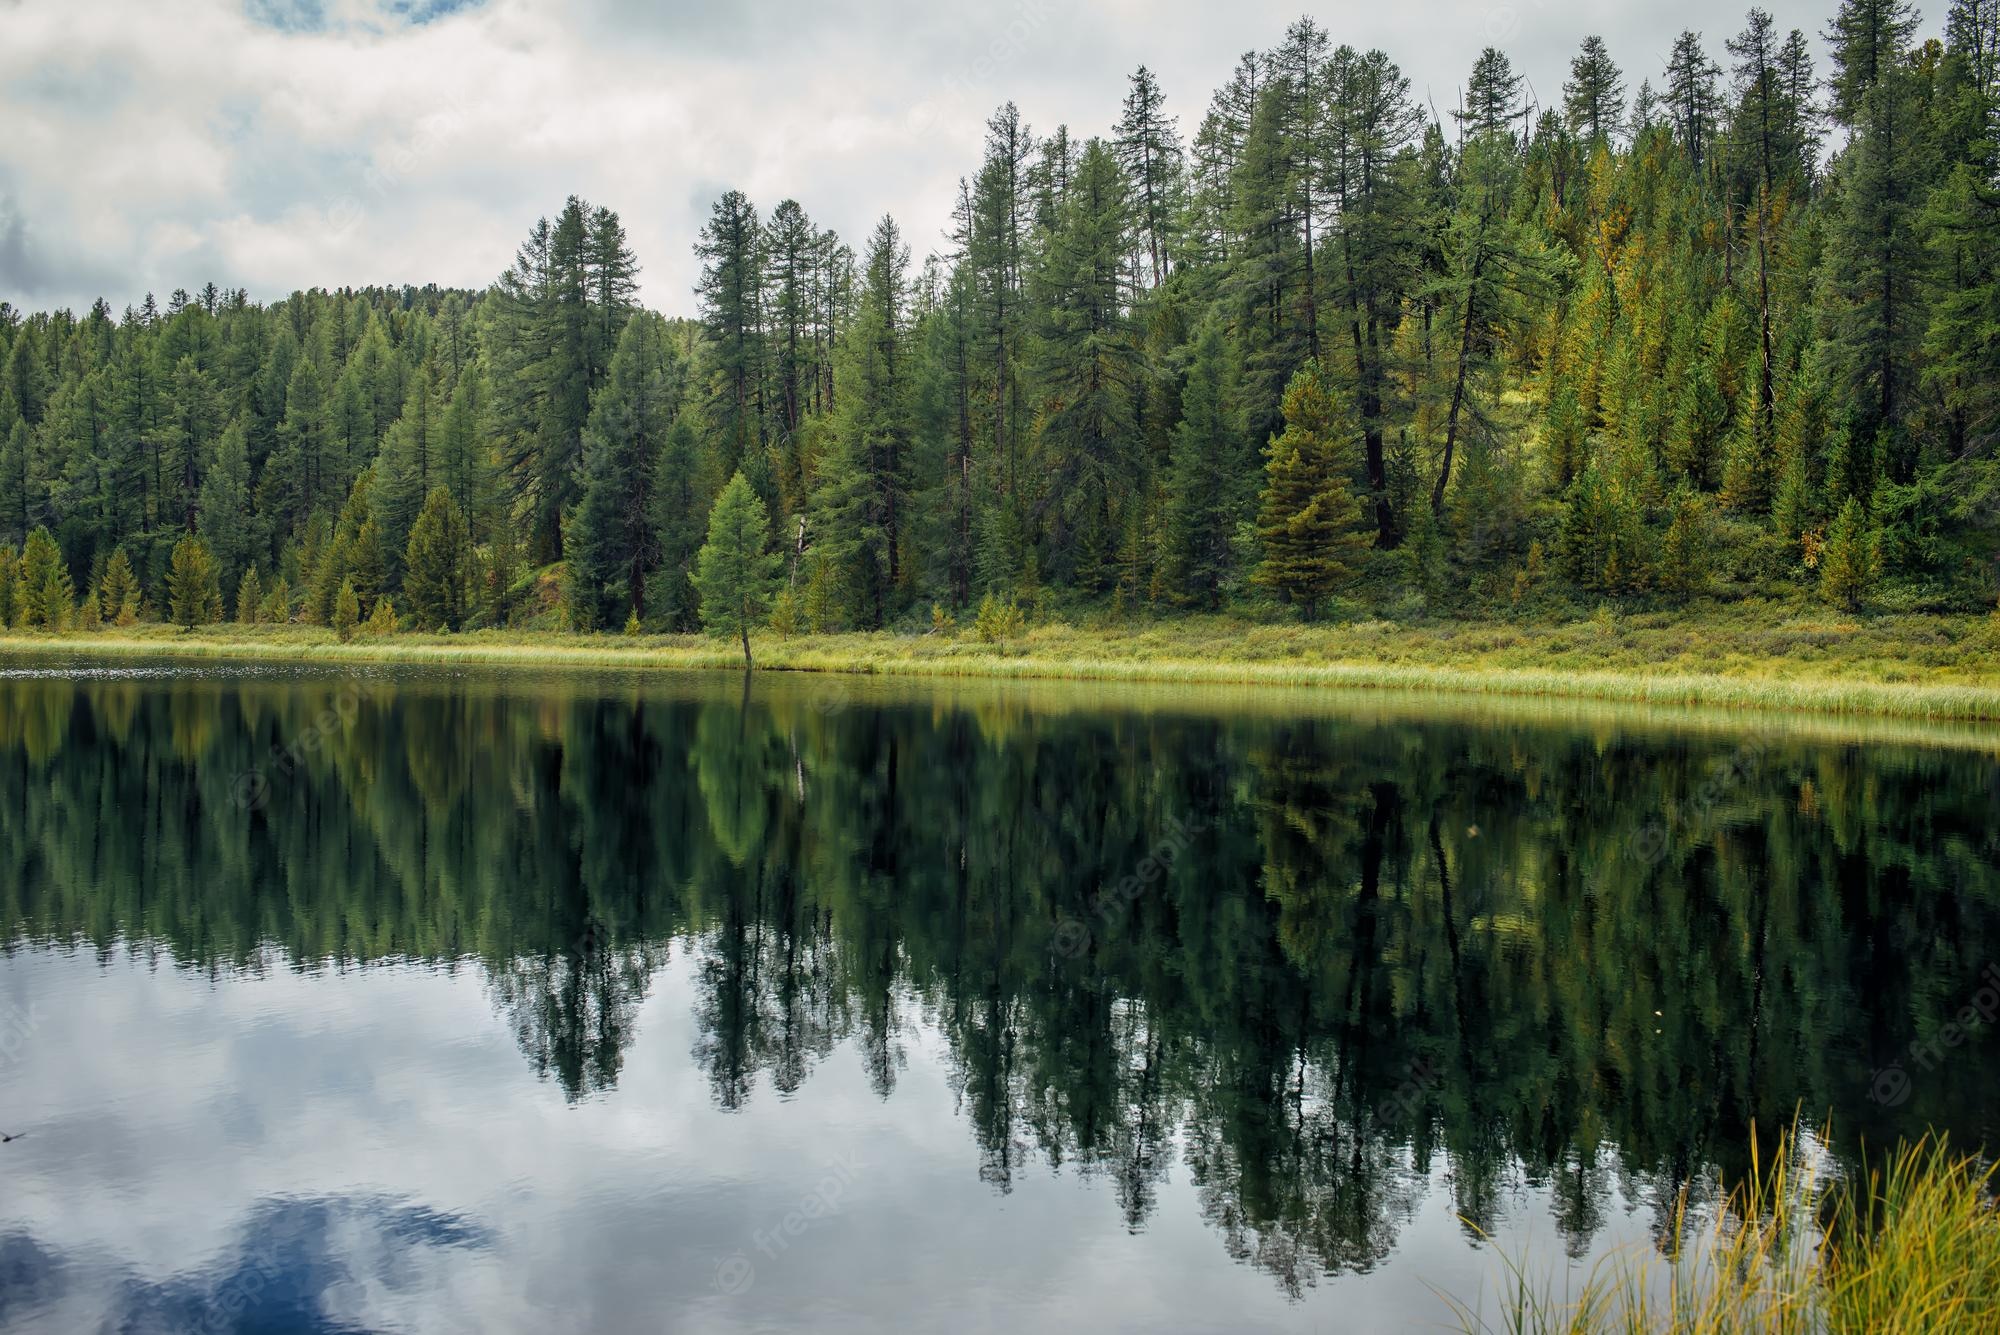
{"points": [[1385, 943]]}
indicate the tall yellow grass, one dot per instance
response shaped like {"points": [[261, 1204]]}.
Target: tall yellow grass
{"points": [[1912, 1246]]}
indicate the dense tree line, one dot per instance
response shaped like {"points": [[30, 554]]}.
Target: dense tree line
{"points": [[1733, 333]]}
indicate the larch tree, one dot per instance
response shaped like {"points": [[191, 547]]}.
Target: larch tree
{"points": [[736, 573], [1594, 97], [1309, 523]]}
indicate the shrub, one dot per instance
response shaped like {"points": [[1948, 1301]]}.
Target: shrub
{"points": [[998, 621]]}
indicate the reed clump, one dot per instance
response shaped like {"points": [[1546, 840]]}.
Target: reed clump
{"points": [[1910, 1246]]}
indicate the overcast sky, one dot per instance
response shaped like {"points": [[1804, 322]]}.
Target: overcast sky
{"points": [[279, 144]]}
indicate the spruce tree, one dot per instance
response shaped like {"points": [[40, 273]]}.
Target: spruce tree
{"points": [[678, 505], [297, 475], [731, 292], [1868, 38]]}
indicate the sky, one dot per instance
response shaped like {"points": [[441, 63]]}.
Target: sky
{"points": [[278, 144]]}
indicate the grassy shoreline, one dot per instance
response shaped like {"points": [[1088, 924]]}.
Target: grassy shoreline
{"points": [[1770, 659]]}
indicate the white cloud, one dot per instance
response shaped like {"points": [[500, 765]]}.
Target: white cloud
{"points": [[284, 143]]}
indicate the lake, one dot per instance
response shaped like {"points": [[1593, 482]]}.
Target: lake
{"points": [[420, 1000]]}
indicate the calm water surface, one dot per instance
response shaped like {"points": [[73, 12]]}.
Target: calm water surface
{"points": [[432, 1002]]}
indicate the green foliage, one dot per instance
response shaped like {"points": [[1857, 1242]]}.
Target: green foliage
{"points": [[43, 595], [194, 587], [611, 547], [736, 573], [1541, 329], [277, 605], [1208, 478], [1683, 569], [436, 564], [1309, 524], [346, 611], [999, 621], [1851, 561], [382, 621], [118, 593], [250, 598], [10, 587], [785, 612]]}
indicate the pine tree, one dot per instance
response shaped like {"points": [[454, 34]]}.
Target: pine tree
{"points": [[1490, 263], [736, 573], [1684, 552], [382, 621], [1204, 490], [436, 564], [1309, 520], [57, 599], [194, 595]]}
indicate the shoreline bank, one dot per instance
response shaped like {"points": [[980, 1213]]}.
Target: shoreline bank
{"points": [[1483, 667]]}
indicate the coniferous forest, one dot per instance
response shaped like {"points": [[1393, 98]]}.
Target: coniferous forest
{"points": [[1726, 330]]}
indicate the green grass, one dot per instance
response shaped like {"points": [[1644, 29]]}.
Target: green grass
{"points": [[1763, 657], [1911, 1247]]}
